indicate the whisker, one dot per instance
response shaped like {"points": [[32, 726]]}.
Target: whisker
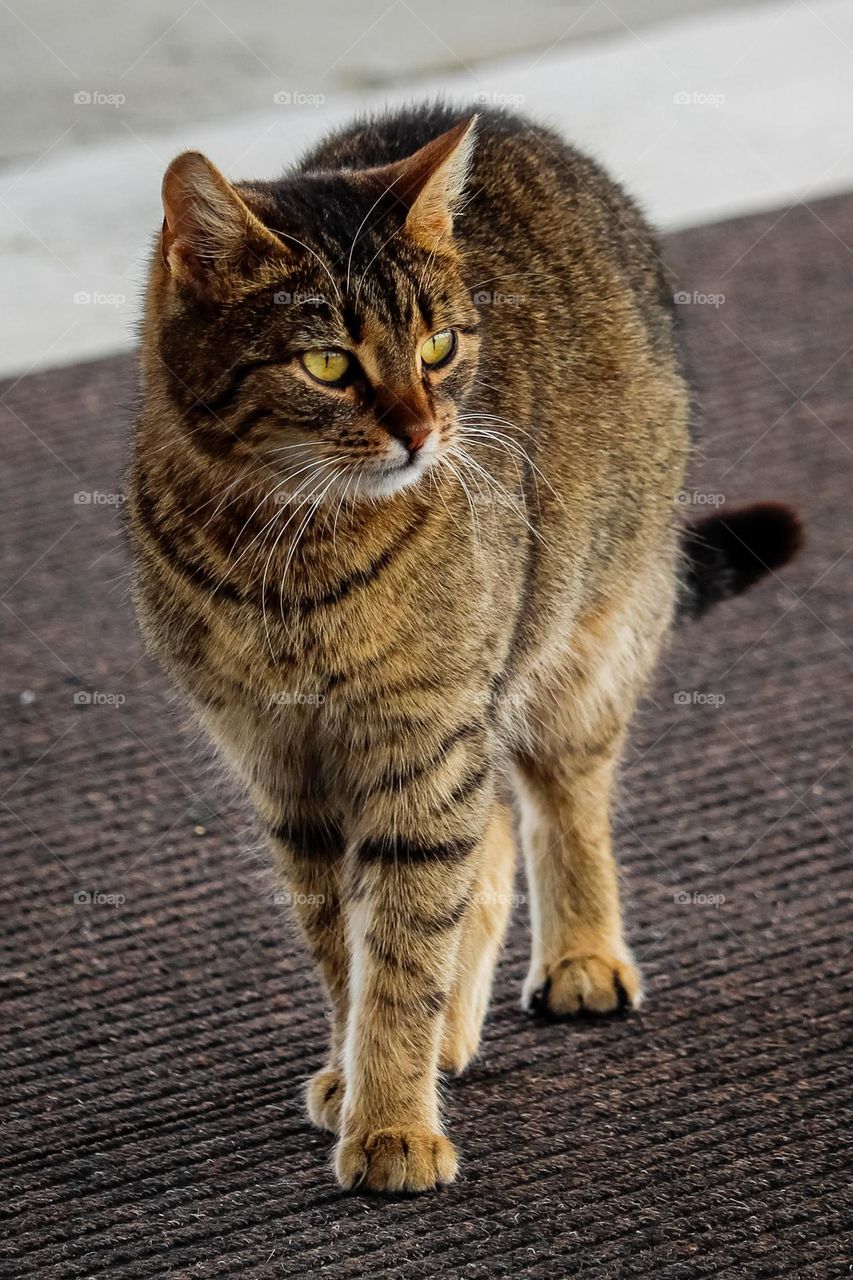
{"points": [[512, 504], [314, 253], [229, 565], [295, 543], [475, 520], [377, 201], [276, 541]]}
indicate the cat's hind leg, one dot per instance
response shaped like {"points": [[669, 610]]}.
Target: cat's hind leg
{"points": [[580, 962]]}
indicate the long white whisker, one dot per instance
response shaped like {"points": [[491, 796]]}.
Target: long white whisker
{"points": [[295, 543], [306, 500], [480, 435], [315, 254], [466, 420], [500, 446], [371, 262], [360, 227], [475, 521], [498, 488], [231, 565]]}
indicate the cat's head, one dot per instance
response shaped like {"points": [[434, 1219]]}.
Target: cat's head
{"points": [[317, 322]]}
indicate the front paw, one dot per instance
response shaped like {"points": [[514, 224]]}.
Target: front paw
{"points": [[324, 1095], [398, 1159], [599, 983]]}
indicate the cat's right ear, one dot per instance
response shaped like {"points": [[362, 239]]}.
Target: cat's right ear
{"points": [[210, 235]]}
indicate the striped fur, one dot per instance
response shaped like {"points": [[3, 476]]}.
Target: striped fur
{"points": [[383, 638]]}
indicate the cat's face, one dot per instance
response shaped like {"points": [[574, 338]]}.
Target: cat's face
{"points": [[325, 328]]}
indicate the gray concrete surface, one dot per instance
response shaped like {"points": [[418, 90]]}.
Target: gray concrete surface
{"points": [[153, 65]]}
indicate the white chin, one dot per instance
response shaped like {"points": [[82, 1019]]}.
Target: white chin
{"points": [[385, 483]]}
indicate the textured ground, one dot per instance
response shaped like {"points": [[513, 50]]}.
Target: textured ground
{"points": [[159, 1016]]}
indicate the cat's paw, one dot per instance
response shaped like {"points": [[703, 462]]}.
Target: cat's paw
{"points": [[600, 983], [324, 1095], [395, 1160]]}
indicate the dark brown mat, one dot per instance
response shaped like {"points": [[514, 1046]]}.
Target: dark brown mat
{"points": [[154, 1046]]}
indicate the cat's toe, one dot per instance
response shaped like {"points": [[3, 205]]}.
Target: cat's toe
{"points": [[324, 1095], [395, 1160], [578, 984]]}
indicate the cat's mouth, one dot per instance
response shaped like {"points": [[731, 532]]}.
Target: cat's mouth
{"points": [[407, 467], [382, 482]]}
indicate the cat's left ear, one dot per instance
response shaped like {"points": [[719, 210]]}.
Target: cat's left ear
{"points": [[431, 183]]}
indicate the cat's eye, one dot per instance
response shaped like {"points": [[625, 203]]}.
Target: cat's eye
{"points": [[327, 366], [438, 349]]}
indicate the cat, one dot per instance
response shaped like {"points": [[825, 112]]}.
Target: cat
{"points": [[403, 509]]}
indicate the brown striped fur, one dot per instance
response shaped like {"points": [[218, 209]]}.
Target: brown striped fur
{"points": [[380, 667]]}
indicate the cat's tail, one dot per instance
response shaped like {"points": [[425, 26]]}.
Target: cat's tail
{"points": [[725, 554]]}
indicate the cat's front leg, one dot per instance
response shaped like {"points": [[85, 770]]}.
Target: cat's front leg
{"points": [[310, 856], [412, 869]]}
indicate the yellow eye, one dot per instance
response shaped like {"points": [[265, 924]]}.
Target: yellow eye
{"points": [[439, 348], [326, 366]]}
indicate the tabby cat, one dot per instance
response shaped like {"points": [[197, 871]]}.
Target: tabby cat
{"points": [[403, 509]]}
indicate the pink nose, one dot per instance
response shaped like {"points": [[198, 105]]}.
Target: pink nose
{"points": [[415, 437]]}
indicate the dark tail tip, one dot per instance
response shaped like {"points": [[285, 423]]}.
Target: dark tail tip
{"points": [[726, 554]]}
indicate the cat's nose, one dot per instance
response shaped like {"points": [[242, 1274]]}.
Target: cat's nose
{"points": [[414, 438], [406, 418]]}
